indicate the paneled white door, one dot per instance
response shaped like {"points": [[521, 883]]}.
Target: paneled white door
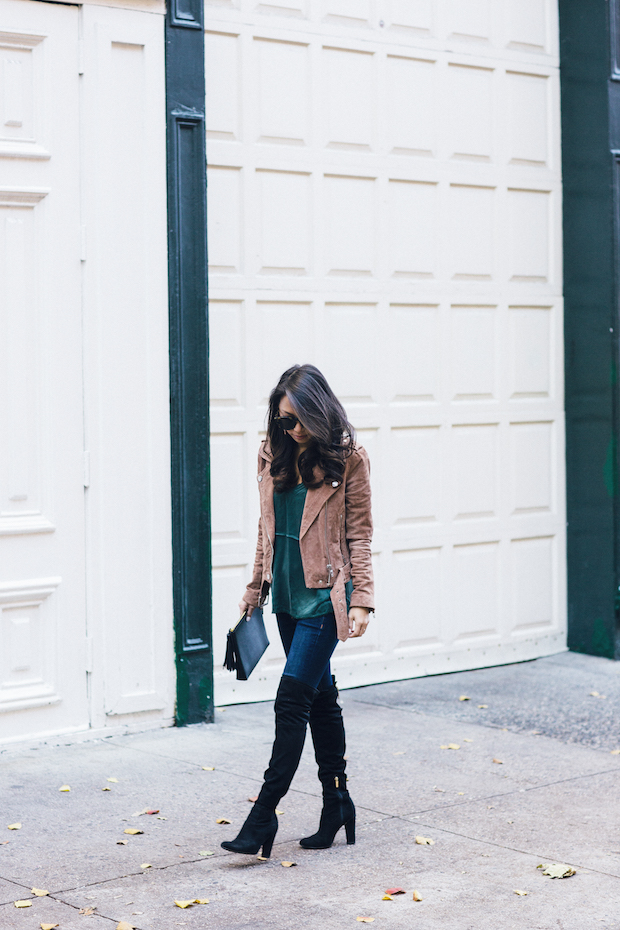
{"points": [[42, 574], [385, 201]]}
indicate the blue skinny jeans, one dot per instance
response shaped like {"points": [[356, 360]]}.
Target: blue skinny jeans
{"points": [[308, 644]]}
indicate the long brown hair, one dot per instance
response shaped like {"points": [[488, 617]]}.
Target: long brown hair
{"points": [[322, 416]]}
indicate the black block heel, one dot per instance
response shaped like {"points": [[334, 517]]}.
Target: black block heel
{"points": [[350, 831]]}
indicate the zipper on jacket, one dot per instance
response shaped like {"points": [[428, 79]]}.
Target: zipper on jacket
{"points": [[330, 570]]}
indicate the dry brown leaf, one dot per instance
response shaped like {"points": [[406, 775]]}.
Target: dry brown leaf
{"points": [[365, 920], [498, 761], [183, 904], [64, 788], [23, 903], [208, 768], [123, 925], [253, 799], [132, 831], [520, 893], [39, 892], [557, 870], [395, 891], [115, 780], [146, 865], [106, 789], [14, 826], [464, 697], [424, 841], [288, 865], [87, 911], [417, 896], [152, 811], [222, 820], [122, 842], [48, 926], [201, 900]]}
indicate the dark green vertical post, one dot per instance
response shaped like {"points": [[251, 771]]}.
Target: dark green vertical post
{"points": [[189, 394], [590, 134]]}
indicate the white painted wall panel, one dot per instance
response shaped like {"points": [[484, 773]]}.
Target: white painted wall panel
{"points": [[388, 207]]}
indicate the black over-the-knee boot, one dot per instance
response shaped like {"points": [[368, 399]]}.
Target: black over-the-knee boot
{"points": [[329, 748], [292, 709]]}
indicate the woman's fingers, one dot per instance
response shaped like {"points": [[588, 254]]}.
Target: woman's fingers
{"points": [[243, 607]]}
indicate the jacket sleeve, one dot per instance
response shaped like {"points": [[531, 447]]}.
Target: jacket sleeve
{"points": [[358, 528], [252, 594], [253, 590]]}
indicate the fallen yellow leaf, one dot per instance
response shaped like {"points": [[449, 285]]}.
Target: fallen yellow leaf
{"points": [[498, 761], [208, 768], [64, 788], [222, 820], [453, 746], [387, 897], [279, 812], [48, 926], [23, 904], [263, 858], [287, 865], [557, 870], [39, 892], [201, 900], [365, 920], [401, 752], [596, 694], [106, 789], [483, 706], [615, 752], [87, 911], [123, 925], [122, 842], [465, 740], [183, 904], [132, 831], [146, 865], [519, 892], [115, 780], [14, 826], [460, 792], [206, 852], [424, 841], [417, 896], [464, 697]]}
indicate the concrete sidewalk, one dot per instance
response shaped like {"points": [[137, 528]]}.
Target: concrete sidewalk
{"points": [[552, 796]]}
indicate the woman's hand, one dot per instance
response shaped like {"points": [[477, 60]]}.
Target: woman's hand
{"points": [[358, 620], [243, 607]]}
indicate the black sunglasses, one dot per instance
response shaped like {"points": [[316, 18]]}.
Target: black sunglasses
{"points": [[287, 423]]}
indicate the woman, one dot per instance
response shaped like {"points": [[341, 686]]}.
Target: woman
{"points": [[313, 549]]}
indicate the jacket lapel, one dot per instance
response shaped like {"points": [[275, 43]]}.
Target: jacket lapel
{"points": [[315, 499]]}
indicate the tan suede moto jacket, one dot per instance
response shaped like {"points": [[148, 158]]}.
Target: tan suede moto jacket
{"points": [[334, 538]]}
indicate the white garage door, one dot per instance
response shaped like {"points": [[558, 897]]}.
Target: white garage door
{"points": [[42, 568], [384, 201]]}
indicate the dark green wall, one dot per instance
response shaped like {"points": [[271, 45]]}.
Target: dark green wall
{"points": [[591, 323], [189, 390]]}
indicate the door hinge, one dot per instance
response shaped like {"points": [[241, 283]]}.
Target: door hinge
{"points": [[89, 654], [86, 464]]}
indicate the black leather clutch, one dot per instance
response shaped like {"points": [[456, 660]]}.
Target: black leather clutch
{"points": [[246, 644]]}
